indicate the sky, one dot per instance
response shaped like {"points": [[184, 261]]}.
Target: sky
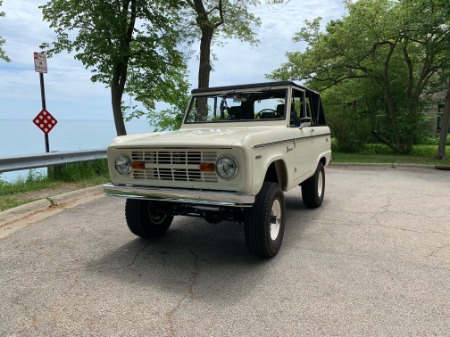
{"points": [[70, 94]]}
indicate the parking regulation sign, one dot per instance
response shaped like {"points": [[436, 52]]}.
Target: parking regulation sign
{"points": [[40, 62], [45, 121]]}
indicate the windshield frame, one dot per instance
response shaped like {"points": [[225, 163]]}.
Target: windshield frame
{"points": [[218, 112]]}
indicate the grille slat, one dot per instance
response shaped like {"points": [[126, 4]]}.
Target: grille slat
{"points": [[174, 165]]}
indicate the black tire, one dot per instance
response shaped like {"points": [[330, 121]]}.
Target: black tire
{"points": [[264, 223], [145, 220], [313, 189]]}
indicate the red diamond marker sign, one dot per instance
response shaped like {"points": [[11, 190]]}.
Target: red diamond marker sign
{"points": [[45, 121]]}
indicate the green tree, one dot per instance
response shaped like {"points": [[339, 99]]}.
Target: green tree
{"points": [[170, 118], [399, 45], [3, 55], [352, 112], [129, 45]]}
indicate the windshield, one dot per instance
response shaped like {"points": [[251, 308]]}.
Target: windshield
{"points": [[237, 106]]}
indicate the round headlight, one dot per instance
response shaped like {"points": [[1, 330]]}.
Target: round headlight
{"points": [[123, 165], [226, 168]]}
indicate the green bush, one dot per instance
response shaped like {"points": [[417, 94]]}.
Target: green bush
{"points": [[431, 140], [376, 148], [334, 144], [349, 130]]}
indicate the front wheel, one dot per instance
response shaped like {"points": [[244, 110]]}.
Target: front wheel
{"points": [[313, 189], [264, 222], [144, 219]]}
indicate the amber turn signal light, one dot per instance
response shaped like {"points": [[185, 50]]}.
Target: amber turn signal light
{"points": [[207, 167], [138, 165]]}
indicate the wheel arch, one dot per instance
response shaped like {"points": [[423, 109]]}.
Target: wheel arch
{"points": [[277, 173], [324, 158]]}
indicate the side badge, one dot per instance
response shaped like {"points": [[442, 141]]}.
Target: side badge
{"points": [[258, 157]]}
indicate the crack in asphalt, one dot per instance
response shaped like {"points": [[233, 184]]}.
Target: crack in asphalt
{"points": [[438, 249], [136, 255], [189, 295], [409, 229]]}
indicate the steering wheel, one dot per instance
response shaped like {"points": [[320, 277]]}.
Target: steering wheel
{"points": [[268, 111]]}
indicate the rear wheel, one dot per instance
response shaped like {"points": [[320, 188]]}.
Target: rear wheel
{"points": [[313, 189], [265, 221], [144, 219]]}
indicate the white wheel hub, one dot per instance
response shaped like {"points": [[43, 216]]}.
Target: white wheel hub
{"points": [[320, 185], [275, 220]]}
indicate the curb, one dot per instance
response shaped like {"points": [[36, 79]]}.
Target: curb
{"points": [[390, 165], [19, 212], [25, 210], [74, 195], [442, 167]]}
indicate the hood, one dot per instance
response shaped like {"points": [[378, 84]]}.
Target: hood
{"points": [[201, 137]]}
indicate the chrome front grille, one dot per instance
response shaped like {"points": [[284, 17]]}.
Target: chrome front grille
{"points": [[174, 165]]}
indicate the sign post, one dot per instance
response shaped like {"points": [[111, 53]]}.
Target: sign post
{"points": [[40, 66]]}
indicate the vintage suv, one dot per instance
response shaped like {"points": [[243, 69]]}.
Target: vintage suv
{"points": [[238, 149]]}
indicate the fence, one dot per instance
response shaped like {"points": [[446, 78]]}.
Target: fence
{"points": [[16, 163]]}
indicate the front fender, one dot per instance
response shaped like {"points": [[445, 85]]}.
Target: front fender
{"points": [[262, 160]]}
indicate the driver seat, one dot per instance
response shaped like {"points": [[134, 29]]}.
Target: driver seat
{"points": [[280, 109], [235, 112]]}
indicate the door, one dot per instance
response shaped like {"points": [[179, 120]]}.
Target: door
{"points": [[301, 120]]}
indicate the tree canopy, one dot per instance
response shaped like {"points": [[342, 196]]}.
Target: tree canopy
{"points": [[129, 45], [398, 46]]}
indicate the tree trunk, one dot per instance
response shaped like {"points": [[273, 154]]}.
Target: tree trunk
{"points": [[412, 125], [396, 140], [207, 27], [204, 68], [120, 71], [117, 113], [117, 88], [392, 112], [444, 126]]}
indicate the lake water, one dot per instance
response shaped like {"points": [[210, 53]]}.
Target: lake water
{"points": [[22, 137]]}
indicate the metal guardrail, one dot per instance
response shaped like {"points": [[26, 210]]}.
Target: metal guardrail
{"points": [[16, 163]]}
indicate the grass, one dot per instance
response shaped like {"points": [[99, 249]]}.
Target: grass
{"points": [[340, 157], [377, 153], [60, 179]]}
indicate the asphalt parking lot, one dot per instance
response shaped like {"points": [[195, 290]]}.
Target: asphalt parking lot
{"points": [[374, 260]]}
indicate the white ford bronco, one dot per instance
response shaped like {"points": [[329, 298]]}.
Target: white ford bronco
{"points": [[238, 149]]}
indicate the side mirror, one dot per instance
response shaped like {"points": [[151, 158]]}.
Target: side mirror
{"points": [[305, 121]]}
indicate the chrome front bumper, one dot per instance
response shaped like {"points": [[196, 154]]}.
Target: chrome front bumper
{"points": [[197, 197]]}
